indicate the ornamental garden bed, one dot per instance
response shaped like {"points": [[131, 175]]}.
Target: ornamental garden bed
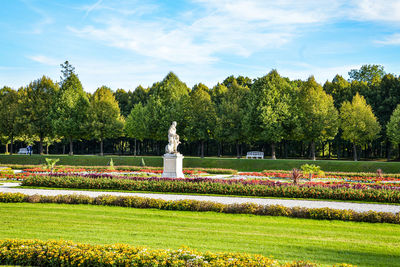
{"points": [[336, 186]]}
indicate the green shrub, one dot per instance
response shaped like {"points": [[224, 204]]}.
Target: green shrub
{"points": [[51, 163]]}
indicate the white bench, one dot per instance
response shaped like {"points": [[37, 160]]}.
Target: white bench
{"points": [[255, 155], [23, 151]]}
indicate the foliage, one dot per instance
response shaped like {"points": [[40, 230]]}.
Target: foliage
{"points": [[136, 122], [310, 170], [393, 126], [269, 112], [358, 122], [111, 165], [220, 186], [340, 89], [68, 253], [51, 163], [296, 175], [70, 115], [40, 97], [368, 73], [11, 122], [318, 115], [107, 121], [201, 115]]}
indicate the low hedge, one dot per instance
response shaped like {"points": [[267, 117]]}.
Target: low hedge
{"points": [[201, 206], [68, 253], [209, 162], [202, 186]]}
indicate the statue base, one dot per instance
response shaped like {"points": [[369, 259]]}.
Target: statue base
{"points": [[173, 166]]}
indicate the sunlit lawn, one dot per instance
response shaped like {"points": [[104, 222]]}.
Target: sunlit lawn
{"points": [[284, 238]]}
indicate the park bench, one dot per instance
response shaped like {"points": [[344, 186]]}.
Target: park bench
{"points": [[255, 155], [23, 150]]}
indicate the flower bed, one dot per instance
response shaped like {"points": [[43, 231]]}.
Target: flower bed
{"points": [[262, 188], [67, 253]]}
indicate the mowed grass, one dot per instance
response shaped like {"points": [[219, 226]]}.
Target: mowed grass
{"points": [[286, 239]]}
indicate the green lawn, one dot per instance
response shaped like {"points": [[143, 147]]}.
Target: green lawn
{"points": [[327, 242], [193, 162]]}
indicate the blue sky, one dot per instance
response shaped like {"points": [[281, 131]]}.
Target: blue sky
{"points": [[124, 43]]}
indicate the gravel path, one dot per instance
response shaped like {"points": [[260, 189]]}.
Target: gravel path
{"points": [[13, 188]]}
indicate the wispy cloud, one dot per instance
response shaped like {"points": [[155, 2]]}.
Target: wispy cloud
{"points": [[393, 39], [45, 60], [45, 19], [375, 10]]}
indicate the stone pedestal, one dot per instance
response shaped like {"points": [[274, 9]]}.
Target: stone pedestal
{"points": [[173, 166]]}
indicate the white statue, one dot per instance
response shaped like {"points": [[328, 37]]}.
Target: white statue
{"points": [[173, 140]]}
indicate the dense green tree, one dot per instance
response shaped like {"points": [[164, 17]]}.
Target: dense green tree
{"points": [[107, 121], [240, 80], [340, 89], [201, 116], [269, 109], [164, 106], [71, 112], [124, 101], [40, 97], [169, 89], [387, 98], [139, 95], [230, 125], [367, 73], [318, 116], [11, 123], [136, 124], [358, 122], [393, 127], [218, 93]]}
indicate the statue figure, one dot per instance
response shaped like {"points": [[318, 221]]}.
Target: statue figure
{"points": [[173, 140]]}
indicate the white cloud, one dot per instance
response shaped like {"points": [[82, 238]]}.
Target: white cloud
{"points": [[38, 26], [393, 39], [376, 10], [45, 60]]}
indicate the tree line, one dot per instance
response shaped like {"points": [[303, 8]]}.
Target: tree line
{"points": [[283, 117]]}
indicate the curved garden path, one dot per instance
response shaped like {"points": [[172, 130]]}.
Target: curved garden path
{"points": [[14, 188]]}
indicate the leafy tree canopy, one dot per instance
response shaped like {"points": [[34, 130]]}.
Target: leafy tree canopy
{"points": [[367, 73], [358, 122]]}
